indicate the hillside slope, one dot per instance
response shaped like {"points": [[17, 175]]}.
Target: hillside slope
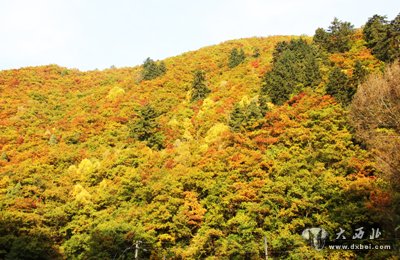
{"points": [[76, 183]]}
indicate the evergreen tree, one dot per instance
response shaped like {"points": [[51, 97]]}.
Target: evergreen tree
{"points": [[340, 36], [151, 70], [236, 57], [383, 37], [337, 38], [199, 87], [339, 86], [321, 38], [295, 67], [263, 101], [394, 39], [376, 35], [244, 117], [236, 118], [359, 74], [146, 128]]}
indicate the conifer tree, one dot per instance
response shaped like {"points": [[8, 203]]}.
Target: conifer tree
{"points": [[338, 86], [295, 66], [152, 70], [337, 38], [376, 35], [236, 57], [359, 74], [383, 37], [236, 118], [199, 87], [146, 128], [244, 117]]}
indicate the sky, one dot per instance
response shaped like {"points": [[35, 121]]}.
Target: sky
{"points": [[97, 34]]}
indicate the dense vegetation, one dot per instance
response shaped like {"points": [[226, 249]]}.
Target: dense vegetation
{"points": [[203, 155]]}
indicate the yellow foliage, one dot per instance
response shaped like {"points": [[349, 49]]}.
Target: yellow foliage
{"points": [[87, 167], [115, 92], [81, 194], [215, 133]]}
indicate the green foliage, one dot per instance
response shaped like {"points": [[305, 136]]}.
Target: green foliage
{"points": [[146, 128], [236, 57], [245, 116], [199, 87], [4, 157], [152, 70], [338, 86], [383, 37], [338, 37], [359, 74], [343, 87], [295, 67]]}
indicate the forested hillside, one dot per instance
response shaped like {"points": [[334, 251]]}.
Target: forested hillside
{"points": [[206, 154]]}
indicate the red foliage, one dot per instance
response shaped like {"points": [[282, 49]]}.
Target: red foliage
{"points": [[255, 64]]}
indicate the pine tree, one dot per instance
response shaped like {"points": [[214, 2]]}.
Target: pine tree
{"points": [[383, 37], [236, 57], [376, 35], [295, 66], [340, 36], [321, 38], [359, 74], [151, 70], [146, 128], [339, 86], [199, 87], [236, 118], [244, 117], [394, 39], [337, 38]]}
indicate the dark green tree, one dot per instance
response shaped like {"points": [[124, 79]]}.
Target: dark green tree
{"points": [[236, 57], [321, 37], [394, 39], [295, 66], [146, 128], [340, 36], [152, 70], [359, 74], [376, 35], [339, 86], [199, 87], [236, 118], [245, 117], [337, 38], [383, 37]]}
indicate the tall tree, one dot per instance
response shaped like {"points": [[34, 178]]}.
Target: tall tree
{"points": [[376, 35], [146, 128], [337, 38], [338, 86], [152, 70], [295, 66], [244, 116], [383, 37], [236, 57], [199, 87]]}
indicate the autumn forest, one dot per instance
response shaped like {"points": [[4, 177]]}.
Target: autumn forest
{"points": [[211, 154]]}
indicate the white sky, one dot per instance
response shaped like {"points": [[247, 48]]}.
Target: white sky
{"points": [[89, 34]]}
